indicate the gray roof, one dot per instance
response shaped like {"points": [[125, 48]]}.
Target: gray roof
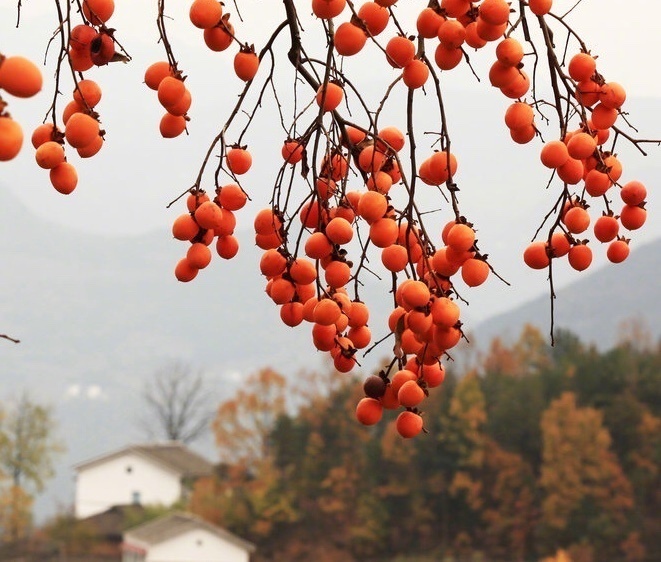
{"points": [[173, 524], [171, 454]]}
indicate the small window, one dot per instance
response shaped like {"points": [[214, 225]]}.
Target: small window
{"points": [[135, 498]]}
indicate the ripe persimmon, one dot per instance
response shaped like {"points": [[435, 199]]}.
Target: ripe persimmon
{"points": [[452, 34], [92, 148], [612, 95], [509, 51], [170, 91], [473, 39], [281, 290], [372, 206], [540, 7], [371, 159], [81, 129], [455, 8], [87, 93], [198, 255], [428, 22], [494, 12], [291, 313], [519, 115], [554, 154], [182, 106], [582, 67], [536, 255], [339, 231], [618, 250], [292, 151], [581, 145], [49, 155], [64, 178], [571, 171], [232, 197], [369, 411], [227, 246], [523, 135], [400, 51], [337, 274], [326, 312], [205, 14], [518, 87], [604, 117], [81, 60], [20, 77], [302, 271], [349, 39], [155, 72], [415, 74], [461, 237], [410, 394], [560, 244], [447, 58], [383, 232], [208, 215], [318, 246], [219, 37], [474, 272], [408, 424], [633, 192], [632, 217], [45, 132], [330, 96], [239, 160], [11, 138], [394, 258], [80, 37], [597, 182], [171, 126], [184, 271], [246, 63], [580, 256], [576, 219], [606, 228], [393, 137], [184, 227], [374, 16], [98, 12], [327, 9]]}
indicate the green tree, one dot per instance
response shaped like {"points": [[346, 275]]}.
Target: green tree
{"points": [[28, 447]]}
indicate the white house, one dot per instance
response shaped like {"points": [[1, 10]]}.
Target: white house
{"points": [[150, 474], [182, 537]]}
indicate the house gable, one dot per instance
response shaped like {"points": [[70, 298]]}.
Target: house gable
{"points": [[129, 478], [182, 536]]}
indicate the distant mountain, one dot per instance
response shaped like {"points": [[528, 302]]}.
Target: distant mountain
{"points": [[595, 306]]}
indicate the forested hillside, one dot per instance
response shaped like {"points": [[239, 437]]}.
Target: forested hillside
{"points": [[534, 450]]}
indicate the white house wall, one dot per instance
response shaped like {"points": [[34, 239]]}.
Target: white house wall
{"points": [[196, 546], [121, 481]]}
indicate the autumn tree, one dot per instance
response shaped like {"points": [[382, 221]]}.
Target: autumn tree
{"points": [[28, 447], [242, 424], [587, 497], [178, 403]]}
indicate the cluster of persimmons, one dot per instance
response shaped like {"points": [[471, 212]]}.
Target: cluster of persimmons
{"points": [[317, 247]]}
